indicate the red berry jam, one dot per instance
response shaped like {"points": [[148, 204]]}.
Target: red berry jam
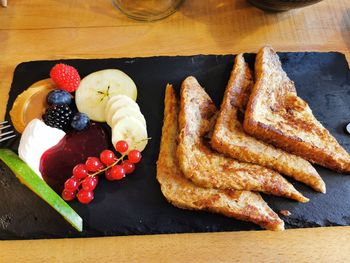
{"points": [[57, 163]]}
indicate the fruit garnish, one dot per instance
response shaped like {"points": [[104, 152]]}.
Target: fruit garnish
{"points": [[35, 140], [85, 176], [134, 156], [85, 197], [121, 146], [58, 97], [68, 195], [97, 88], [66, 77], [80, 171], [28, 177], [117, 172], [109, 175], [57, 163], [80, 121], [120, 106], [131, 130], [127, 112], [71, 184], [89, 183], [107, 157], [126, 121], [93, 164], [30, 104], [129, 167], [58, 116]]}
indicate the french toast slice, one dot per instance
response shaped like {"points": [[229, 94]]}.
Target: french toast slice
{"points": [[181, 192], [229, 137], [278, 116], [210, 169]]}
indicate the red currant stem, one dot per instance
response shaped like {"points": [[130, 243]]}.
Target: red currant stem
{"points": [[108, 167]]}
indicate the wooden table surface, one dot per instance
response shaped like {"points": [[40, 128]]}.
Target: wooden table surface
{"points": [[52, 29]]}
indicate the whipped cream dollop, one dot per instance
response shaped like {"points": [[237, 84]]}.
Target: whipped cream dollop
{"points": [[37, 137]]}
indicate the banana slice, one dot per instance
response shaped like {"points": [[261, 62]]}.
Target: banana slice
{"points": [[132, 131], [124, 102], [95, 90], [116, 98], [125, 112], [111, 101]]}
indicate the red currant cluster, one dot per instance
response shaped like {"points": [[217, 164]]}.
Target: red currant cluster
{"points": [[85, 176]]}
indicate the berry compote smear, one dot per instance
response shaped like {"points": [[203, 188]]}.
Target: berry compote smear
{"points": [[57, 163]]}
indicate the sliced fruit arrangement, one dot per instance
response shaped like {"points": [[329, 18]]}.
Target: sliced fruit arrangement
{"points": [[126, 121], [119, 102], [95, 90], [29, 178], [109, 95], [50, 99], [131, 130], [85, 177], [53, 112]]}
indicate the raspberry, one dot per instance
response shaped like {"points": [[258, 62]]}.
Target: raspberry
{"points": [[66, 77]]}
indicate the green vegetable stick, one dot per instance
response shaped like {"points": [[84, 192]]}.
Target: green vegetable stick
{"points": [[29, 178]]}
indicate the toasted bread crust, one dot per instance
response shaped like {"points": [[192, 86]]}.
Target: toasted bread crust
{"points": [[278, 116], [181, 192], [210, 169], [229, 137]]}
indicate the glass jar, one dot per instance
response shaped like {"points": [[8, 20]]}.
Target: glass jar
{"points": [[147, 10]]}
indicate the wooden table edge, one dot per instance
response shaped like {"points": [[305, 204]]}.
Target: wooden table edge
{"points": [[294, 244]]}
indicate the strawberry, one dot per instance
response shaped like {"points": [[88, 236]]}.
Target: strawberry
{"points": [[66, 77]]}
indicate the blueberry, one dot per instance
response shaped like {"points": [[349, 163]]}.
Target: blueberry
{"points": [[80, 121], [58, 97]]}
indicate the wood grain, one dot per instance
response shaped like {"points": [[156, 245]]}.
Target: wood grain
{"points": [[300, 245], [52, 29]]}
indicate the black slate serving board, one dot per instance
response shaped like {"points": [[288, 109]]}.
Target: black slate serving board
{"points": [[135, 205]]}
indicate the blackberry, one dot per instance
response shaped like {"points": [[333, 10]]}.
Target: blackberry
{"points": [[58, 116]]}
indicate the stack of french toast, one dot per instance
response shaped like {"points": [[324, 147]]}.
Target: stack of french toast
{"points": [[219, 160]]}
